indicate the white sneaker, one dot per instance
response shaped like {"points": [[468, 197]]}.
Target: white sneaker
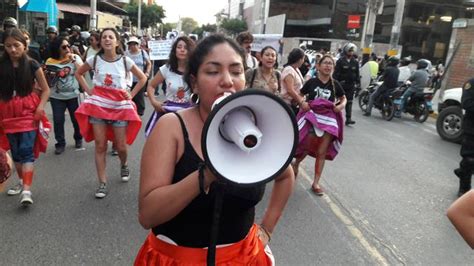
{"points": [[25, 198], [15, 190], [125, 173]]}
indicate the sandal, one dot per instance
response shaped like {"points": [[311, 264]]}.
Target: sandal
{"points": [[318, 191]]}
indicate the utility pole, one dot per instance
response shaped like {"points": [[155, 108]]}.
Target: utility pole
{"points": [[139, 19], [374, 7], [397, 24], [262, 16], [93, 15]]}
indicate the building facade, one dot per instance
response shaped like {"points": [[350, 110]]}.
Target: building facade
{"points": [[425, 32]]}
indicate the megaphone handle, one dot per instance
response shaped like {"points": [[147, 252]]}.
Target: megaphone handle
{"points": [[216, 216]]}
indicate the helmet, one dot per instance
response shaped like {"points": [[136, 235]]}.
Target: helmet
{"points": [[52, 29], [10, 22], [422, 64], [405, 61], [76, 28], [393, 61], [85, 35], [349, 47]]}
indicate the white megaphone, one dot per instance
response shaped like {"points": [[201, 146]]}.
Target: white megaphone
{"points": [[249, 137]]}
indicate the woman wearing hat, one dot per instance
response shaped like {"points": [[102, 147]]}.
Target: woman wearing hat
{"points": [[142, 61]]}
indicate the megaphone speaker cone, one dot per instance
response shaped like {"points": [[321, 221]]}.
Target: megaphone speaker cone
{"points": [[249, 137]]}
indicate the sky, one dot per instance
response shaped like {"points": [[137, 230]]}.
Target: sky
{"points": [[202, 11]]}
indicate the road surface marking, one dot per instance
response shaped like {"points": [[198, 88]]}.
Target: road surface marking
{"points": [[371, 250]]}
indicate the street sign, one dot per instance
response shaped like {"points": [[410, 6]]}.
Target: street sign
{"points": [[353, 21]]}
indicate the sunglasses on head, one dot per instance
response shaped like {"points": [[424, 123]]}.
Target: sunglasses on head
{"points": [[65, 46]]}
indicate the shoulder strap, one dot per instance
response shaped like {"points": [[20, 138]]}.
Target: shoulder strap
{"points": [[94, 62], [277, 73], [144, 61], [254, 73], [125, 65], [183, 127]]}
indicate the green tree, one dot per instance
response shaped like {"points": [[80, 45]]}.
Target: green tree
{"points": [[205, 28], [151, 14], [188, 25], [168, 27], [233, 26]]}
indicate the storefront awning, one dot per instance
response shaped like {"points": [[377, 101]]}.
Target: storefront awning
{"points": [[73, 8], [43, 6]]}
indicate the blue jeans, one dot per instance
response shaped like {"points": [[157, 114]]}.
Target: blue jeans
{"points": [[21, 146], [59, 107], [409, 92]]}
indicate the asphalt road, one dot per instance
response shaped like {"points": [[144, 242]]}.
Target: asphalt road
{"points": [[387, 195]]}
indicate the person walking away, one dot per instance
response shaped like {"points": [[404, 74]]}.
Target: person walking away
{"points": [[265, 76], [325, 98], [178, 93], [59, 71], [109, 113], [466, 166], [173, 193], [418, 81], [23, 122], [347, 73], [390, 82], [245, 40], [292, 80], [142, 61]]}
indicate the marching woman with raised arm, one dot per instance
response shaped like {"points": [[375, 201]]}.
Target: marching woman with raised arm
{"points": [[23, 123], [109, 113], [320, 130], [178, 93], [176, 204]]}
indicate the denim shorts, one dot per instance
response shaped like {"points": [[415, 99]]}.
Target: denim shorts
{"points": [[113, 123], [21, 146]]}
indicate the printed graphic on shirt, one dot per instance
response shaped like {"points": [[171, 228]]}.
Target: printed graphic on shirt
{"points": [[58, 77], [108, 80], [322, 93]]}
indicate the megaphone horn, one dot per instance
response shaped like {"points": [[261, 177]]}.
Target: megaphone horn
{"points": [[249, 137]]}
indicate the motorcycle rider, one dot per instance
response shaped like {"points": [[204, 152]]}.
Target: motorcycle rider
{"points": [[390, 82], [418, 81], [76, 40], [347, 73], [466, 166], [405, 71]]}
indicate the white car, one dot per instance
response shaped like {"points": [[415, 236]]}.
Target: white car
{"points": [[450, 114]]}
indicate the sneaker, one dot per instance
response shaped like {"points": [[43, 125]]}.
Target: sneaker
{"points": [[101, 191], [78, 144], [125, 173], [15, 190], [25, 198], [59, 150], [114, 152]]}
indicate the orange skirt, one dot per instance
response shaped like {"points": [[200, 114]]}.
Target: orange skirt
{"points": [[248, 251]]}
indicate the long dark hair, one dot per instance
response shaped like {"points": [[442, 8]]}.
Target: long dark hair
{"points": [[295, 55], [173, 60], [21, 80], [203, 48], [55, 47]]}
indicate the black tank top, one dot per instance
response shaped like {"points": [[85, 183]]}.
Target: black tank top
{"points": [[191, 227]]}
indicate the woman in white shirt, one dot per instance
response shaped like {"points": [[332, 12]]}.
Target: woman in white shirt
{"points": [[292, 80], [109, 114], [178, 93]]}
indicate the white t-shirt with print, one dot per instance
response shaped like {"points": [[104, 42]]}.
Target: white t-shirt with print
{"points": [[177, 90], [111, 74]]}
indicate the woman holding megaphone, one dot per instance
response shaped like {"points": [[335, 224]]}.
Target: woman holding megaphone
{"points": [[176, 200]]}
